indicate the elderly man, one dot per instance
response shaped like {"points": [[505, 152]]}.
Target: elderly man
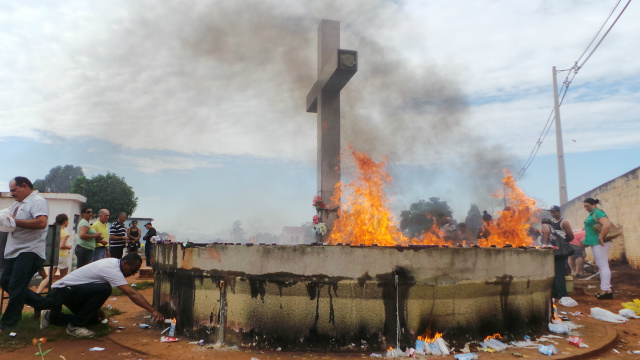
{"points": [[25, 250], [118, 236], [102, 247], [85, 290]]}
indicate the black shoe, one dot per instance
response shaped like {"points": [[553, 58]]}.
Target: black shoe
{"points": [[605, 296]]}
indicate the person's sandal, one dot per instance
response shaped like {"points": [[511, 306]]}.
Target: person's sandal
{"points": [[605, 296]]}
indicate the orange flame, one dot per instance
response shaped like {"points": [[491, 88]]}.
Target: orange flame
{"points": [[494, 336], [390, 348], [426, 337], [365, 219], [512, 225], [555, 314]]}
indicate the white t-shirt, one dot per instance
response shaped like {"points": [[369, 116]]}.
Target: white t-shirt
{"points": [[23, 240], [101, 271]]}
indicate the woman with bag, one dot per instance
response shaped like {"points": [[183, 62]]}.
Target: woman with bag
{"points": [[599, 247]]}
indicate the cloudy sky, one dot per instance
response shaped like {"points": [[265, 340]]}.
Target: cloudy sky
{"points": [[200, 105]]}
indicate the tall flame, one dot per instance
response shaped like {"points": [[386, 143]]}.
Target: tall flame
{"points": [[512, 225], [364, 217]]}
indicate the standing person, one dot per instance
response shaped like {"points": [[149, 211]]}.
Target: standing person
{"points": [[63, 255], [576, 261], [151, 232], [85, 290], [102, 247], [133, 234], [599, 247], [87, 238], [558, 229], [118, 236], [24, 253]]}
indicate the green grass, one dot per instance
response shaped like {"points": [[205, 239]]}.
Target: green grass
{"points": [[138, 286], [29, 328]]}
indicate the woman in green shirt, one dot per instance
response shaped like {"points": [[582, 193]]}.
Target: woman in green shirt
{"points": [[599, 248], [87, 238]]}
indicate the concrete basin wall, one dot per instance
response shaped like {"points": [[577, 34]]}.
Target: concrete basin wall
{"points": [[305, 295]]}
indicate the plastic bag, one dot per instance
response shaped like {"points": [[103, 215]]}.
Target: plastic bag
{"points": [[568, 302], [628, 313], [559, 328], [7, 223], [606, 315], [634, 305]]}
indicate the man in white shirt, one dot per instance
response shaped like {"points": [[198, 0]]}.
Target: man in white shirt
{"points": [[25, 250], [85, 290]]}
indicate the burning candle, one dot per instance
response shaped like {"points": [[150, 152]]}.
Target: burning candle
{"points": [[172, 328]]}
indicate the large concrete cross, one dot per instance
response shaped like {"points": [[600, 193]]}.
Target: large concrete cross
{"points": [[335, 67]]}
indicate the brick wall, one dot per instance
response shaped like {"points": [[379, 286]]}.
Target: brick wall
{"points": [[620, 199]]}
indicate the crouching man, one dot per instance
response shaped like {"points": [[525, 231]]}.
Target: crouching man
{"points": [[85, 290]]}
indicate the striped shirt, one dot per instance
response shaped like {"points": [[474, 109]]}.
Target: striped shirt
{"points": [[117, 229]]}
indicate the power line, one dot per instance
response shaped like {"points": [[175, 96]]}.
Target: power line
{"points": [[567, 82]]}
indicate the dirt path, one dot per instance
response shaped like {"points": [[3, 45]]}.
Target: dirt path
{"points": [[136, 343]]}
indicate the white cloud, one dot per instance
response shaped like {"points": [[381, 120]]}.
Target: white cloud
{"points": [[228, 78]]}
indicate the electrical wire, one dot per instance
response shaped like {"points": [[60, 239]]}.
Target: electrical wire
{"points": [[567, 82]]}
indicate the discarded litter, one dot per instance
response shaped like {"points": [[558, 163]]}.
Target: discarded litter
{"points": [[495, 344], [105, 321], [468, 356], [96, 349], [616, 351], [201, 342], [168, 339], [12, 334], [558, 328], [144, 326], [121, 327], [115, 298], [568, 302], [394, 353], [606, 315], [628, 313], [634, 305], [373, 355], [547, 350], [518, 355], [577, 341]]}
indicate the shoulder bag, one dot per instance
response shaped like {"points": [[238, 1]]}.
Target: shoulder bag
{"points": [[614, 231], [563, 247]]}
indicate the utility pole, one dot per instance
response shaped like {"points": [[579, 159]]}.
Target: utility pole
{"points": [[562, 178]]}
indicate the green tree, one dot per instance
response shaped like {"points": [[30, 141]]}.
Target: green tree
{"points": [[59, 180], [421, 215], [474, 219], [109, 192]]}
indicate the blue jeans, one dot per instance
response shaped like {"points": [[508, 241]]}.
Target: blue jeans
{"points": [[16, 275], [99, 253]]}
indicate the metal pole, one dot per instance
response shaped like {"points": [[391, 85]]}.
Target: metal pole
{"points": [[562, 178]]}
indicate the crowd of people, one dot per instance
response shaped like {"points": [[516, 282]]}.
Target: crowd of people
{"points": [[100, 263]]}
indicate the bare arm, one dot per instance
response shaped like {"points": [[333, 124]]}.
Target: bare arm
{"points": [[63, 243], [606, 225], [84, 234], [567, 229], [546, 231], [139, 300], [39, 222]]}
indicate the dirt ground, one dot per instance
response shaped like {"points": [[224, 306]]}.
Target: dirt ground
{"points": [[136, 343]]}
